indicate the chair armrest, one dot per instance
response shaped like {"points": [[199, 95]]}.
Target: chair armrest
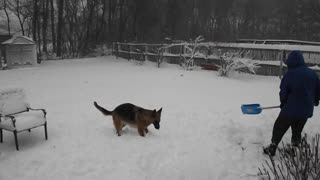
{"points": [[13, 119], [43, 110], [10, 115]]}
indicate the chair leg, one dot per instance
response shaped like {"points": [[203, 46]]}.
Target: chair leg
{"points": [[1, 136], [16, 140], [46, 131]]}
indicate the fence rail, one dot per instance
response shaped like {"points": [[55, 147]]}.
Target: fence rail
{"points": [[269, 57]]}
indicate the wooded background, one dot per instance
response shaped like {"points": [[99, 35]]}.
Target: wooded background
{"points": [[75, 27]]}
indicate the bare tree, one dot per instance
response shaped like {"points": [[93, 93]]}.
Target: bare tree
{"points": [[121, 20], [53, 32], [79, 25], [45, 14], [4, 6], [60, 26], [21, 10], [111, 10], [35, 19]]}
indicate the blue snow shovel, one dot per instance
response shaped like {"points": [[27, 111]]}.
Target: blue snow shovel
{"points": [[254, 108]]}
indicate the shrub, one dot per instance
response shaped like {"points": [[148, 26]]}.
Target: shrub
{"points": [[190, 51], [294, 163], [229, 62]]}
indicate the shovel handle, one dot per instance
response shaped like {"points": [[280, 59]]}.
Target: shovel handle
{"points": [[270, 107]]}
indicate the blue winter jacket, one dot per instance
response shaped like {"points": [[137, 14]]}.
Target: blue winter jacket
{"points": [[299, 88]]}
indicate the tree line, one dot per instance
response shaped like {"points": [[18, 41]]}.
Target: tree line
{"points": [[75, 27]]}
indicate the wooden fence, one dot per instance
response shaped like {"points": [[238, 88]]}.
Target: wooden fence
{"points": [[269, 57]]}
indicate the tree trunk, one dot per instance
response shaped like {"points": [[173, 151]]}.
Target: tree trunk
{"points": [[52, 27], [110, 21], [121, 21], [59, 29], [45, 7], [39, 39], [18, 9], [35, 20], [102, 28], [7, 14]]}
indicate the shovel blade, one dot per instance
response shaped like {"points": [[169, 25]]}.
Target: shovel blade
{"points": [[251, 108]]}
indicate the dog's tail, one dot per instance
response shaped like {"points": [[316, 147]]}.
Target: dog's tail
{"points": [[103, 110]]}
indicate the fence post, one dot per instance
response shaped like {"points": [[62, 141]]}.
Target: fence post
{"points": [[115, 49], [129, 49], [159, 56], [146, 49], [118, 49], [282, 59]]}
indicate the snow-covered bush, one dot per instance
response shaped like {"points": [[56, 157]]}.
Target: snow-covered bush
{"points": [[139, 56], [159, 52], [230, 62], [190, 51], [294, 163]]}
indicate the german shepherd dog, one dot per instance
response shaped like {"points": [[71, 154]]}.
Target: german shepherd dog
{"points": [[132, 115]]}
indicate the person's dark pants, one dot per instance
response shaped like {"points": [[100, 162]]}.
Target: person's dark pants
{"points": [[281, 126]]}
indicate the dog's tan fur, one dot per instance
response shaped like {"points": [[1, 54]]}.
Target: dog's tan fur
{"points": [[134, 116]]}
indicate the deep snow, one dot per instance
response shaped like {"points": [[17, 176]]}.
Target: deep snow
{"points": [[203, 133]]}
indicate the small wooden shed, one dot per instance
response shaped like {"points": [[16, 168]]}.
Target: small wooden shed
{"points": [[19, 51]]}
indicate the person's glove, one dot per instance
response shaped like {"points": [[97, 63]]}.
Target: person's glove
{"points": [[281, 105]]}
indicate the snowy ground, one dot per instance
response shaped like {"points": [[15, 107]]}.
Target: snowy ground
{"points": [[203, 133]]}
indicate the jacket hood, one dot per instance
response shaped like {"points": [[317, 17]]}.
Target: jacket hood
{"points": [[295, 59]]}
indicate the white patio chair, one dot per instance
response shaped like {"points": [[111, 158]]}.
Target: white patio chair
{"points": [[16, 115]]}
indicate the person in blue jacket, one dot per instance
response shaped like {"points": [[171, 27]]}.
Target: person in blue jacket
{"points": [[299, 93]]}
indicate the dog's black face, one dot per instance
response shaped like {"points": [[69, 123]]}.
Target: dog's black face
{"points": [[156, 124], [157, 115]]}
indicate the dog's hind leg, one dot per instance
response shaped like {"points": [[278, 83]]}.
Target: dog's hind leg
{"points": [[117, 124]]}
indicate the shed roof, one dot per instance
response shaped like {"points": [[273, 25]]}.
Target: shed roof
{"points": [[19, 40]]}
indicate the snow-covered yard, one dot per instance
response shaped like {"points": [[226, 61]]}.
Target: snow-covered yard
{"points": [[203, 133]]}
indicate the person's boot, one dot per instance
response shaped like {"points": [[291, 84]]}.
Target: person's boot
{"points": [[295, 143], [270, 150]]}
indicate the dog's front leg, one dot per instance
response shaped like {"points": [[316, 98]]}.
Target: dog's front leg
{"points": [[146, 130], [141, 131], [119, 133]]}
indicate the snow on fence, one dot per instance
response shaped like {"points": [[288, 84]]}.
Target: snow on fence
{"points": [[269, 57]]}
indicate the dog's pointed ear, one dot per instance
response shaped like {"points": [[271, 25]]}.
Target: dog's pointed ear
{"points": [[154, 113], [160, 110]]}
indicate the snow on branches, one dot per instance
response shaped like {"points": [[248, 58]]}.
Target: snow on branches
{"points": [[230, 62], [190, 51]]}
